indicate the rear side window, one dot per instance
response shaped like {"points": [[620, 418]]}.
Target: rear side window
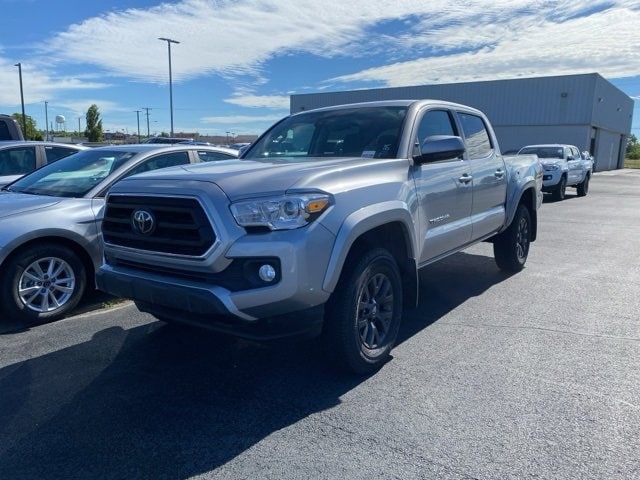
{"points": [[208, 156], [56, 153], [161, 161], [476, 135], [4, 131], [435, 122], [17, 161]]}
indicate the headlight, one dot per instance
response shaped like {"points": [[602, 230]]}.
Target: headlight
{"points": [[551, 167], [280, 213]]}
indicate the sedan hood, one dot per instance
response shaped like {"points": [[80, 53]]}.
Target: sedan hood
{"points": [[243, 178], [17, 203]]}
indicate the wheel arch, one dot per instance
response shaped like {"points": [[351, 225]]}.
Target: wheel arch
{"points": [[73, 245], [371, 227]]}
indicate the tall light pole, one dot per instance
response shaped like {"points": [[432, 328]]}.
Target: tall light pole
{"points": [[79, 134], [169, 42], [24, 117], [138, 118], [46, 119], [147, 110]]}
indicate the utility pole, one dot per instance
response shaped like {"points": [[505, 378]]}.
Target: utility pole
{"points": [[147, 110], [138, 118], [169, 42], [79, 134], [46, 120], [24, 117]]}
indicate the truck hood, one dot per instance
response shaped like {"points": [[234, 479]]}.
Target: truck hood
{"points": [[244, 178], [18, 203]]}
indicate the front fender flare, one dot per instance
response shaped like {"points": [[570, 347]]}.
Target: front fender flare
{"points": [[362, 221]]}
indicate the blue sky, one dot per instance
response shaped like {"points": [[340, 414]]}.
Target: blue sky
{"points": [[239, 60]]}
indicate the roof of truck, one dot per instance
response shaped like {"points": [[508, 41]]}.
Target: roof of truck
{"points": [[392, 103]]}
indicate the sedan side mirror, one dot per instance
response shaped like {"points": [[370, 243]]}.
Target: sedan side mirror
{"points": [[440, 147]]}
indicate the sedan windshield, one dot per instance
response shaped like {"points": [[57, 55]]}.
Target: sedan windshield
{"points": [[73, 176], [372, 132], [543, 152]]}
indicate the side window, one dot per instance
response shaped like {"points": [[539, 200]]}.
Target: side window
{"points": [[476, 135], [435, 122], [209, 156], [17, 161], [576, 153], [56, 153], [161, 161]]}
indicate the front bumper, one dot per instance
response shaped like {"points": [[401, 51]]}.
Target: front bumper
{"points": [[550, 179], [303, 257]]}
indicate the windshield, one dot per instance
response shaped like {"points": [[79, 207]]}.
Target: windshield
{"points": [[73, 176], [371, 132], [543, 152]]}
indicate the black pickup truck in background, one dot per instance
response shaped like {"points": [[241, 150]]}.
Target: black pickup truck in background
{"points": [[9, 129]]}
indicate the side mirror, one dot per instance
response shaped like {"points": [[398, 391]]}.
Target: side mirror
{"points": [[570, 157], [440, 147]]}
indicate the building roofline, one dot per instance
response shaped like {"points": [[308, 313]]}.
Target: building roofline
{"points": [[501, 80]]}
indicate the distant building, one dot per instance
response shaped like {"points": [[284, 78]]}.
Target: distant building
{"points": [[582, 110]]}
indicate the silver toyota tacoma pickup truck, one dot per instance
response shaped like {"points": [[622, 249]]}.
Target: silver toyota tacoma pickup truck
{"points": [[322, 226]]}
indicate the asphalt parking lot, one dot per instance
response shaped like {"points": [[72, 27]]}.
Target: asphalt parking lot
{"points": [[535, 375]]}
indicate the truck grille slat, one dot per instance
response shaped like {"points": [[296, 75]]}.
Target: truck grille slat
{"points": [[180, 225]]}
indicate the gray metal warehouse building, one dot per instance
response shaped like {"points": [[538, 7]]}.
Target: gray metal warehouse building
{"points": [[582, 110]]}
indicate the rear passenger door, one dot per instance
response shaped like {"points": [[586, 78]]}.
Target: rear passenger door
{"points": [[489, 176], [443, 189], [576, 167]]}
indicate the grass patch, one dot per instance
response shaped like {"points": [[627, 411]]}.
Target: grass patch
{"points": [[631, 163]]}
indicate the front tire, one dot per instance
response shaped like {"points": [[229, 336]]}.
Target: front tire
{"points": [[511, 247], [583, 188], [363, 315], [561, 190], [42, 284]]}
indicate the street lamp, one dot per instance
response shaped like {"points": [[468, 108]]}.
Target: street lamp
{"points": [[169, 42], [24, 117], [138, 117], [46, 119]]}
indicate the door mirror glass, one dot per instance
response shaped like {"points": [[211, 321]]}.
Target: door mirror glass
{"points": [[570, 157], [440, 147]]}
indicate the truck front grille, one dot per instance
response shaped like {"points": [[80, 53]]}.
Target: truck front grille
{"points": [[172, 225]]}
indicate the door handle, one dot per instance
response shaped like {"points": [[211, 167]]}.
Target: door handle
{"points": [[466, 178], [499, 173]]}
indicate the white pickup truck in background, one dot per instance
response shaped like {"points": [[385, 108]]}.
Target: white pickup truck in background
{"points": [[564, 166]]}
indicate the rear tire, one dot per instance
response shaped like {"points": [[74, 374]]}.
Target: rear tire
{"points": [[511, 247], [39, 278], [561, 190], [583, 188], [363, 315]]}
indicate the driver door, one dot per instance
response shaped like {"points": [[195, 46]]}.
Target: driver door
{"points": [[574, 162]]}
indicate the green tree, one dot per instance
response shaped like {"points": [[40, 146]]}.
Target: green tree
{"points": [[94, 124], [633, 147], [32, 132]]}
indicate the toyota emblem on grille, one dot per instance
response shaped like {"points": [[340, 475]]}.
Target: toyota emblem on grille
{"points": [[143, 222]]}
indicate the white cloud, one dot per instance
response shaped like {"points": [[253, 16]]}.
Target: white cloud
{"points": [[605, 42], [38, 83], [279, 102], [80, 107], [239, 119], [232, 38]]}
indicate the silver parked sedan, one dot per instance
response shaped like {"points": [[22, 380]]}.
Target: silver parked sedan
{"points": [[19, 158], [49, 244]]}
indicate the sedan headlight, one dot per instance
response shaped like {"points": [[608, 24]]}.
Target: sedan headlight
{"points": [[280, 213], [551, 168]]}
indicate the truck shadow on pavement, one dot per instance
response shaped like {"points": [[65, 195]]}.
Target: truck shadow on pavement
{"points": [[159, 401]]}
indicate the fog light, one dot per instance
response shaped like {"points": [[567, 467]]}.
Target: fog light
{"points": [[267, 273]]}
